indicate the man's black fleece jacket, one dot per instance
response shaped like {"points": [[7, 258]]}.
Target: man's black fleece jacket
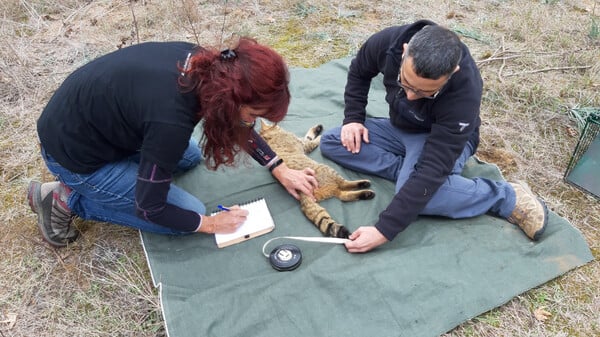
{"points": [[451, 119]]}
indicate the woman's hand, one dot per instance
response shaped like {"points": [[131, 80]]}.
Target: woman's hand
{"points": [[224, 222], [296, 181]]}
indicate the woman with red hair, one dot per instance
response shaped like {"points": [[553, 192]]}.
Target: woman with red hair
{"points": [[119, 127]]}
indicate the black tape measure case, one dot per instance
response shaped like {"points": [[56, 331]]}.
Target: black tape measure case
{"points": [[285, 257]]}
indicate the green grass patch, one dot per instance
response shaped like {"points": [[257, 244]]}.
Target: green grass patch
{"points": [[594, 33]]}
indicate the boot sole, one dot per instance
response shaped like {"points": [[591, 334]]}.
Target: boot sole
{"points": [[540, 231], [34, 191]]}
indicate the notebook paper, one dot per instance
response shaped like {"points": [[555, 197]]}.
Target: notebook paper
{"points": [[259, 222]]}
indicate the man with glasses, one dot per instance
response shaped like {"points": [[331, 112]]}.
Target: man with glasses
{"points": [[433, 88]]}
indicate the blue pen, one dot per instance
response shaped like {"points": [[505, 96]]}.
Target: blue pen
{"points": [[223, 208]]}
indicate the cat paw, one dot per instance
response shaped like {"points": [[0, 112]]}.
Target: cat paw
{"points": [[314, 133], [317, 129], [366, 195], [364, 184], [343, 233]]}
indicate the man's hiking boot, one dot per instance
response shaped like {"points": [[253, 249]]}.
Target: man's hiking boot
{"points": [[530, 213], [55, 220]]}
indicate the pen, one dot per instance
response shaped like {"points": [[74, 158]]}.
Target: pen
{"points": [[223, 208]]}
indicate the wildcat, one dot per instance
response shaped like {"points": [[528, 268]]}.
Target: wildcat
{"points": [[293, 150]]}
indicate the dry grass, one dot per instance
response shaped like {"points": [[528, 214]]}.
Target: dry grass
{"points": [[540, 59]]}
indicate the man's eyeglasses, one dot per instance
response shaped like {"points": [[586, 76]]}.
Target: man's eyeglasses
{"points": [[419, 93]]}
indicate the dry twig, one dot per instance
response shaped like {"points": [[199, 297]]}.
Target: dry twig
{"points": [[189, 8], [548, 69], [135, 23]]}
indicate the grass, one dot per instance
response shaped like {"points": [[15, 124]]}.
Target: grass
{"points": [[539, 60], [594, 30]]}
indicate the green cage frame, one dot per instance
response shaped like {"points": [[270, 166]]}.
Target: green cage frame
{"points": [[590, 131]]}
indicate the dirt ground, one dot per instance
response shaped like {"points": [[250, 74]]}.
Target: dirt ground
{"points": [[540, 61]]}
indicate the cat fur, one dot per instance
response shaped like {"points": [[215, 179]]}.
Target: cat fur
{"points": [[293, 150]]}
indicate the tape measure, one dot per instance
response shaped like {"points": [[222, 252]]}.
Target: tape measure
{"points": [[285, 257], [288, 257]]}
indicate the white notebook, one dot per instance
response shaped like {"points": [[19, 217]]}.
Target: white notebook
{"points": [[259, 222]]}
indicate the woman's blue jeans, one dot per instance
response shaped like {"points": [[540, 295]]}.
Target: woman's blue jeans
{"points": [[393, 153], [108, 194]]}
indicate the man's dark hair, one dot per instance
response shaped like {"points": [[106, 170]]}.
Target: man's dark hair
{"points": [[435, 50]]}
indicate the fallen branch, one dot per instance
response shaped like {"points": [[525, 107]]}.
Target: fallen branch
{"points": [[547, 69], [492, 59]]}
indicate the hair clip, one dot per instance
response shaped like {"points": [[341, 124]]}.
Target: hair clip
{"points": [[228, 55]]}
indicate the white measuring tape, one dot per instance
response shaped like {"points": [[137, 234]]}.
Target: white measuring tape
{"points": [[287, 256]]}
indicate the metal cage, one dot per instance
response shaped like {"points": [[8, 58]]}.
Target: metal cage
{"points": [[583, 170]]}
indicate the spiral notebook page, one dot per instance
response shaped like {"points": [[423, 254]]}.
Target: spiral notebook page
{"points": [[259, 222]]}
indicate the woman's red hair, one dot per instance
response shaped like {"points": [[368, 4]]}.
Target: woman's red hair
{"points": [[256, 77]]}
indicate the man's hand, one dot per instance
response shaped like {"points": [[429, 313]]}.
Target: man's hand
{"points": [[296, 181], [352, 135], [365, 239]]}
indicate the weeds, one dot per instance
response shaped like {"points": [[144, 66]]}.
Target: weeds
{"points": [[581, 115], [303, 10], [594, 33]]}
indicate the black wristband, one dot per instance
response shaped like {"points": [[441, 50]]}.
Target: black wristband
{"points": [[275, 164]]}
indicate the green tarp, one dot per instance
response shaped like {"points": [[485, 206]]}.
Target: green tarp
{"points": [[432, 277]]}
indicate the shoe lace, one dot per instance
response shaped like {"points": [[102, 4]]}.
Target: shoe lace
{"points": [[61, 216]]}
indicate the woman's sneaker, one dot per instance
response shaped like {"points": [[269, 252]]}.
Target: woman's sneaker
{"points": [[530, 213], [55, 220]]}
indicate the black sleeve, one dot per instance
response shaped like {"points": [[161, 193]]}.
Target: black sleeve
{"points": [[165, 143], [259, 149], [151, 190], [368, 63]]}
